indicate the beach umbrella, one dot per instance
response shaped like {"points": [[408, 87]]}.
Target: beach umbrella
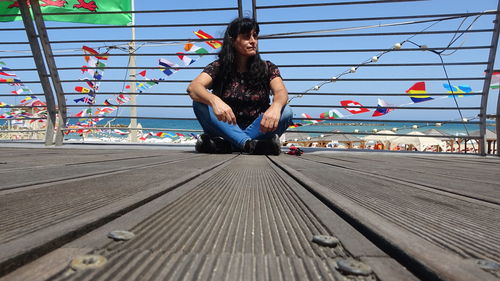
{"points": [[348, 140], [292, 136], [435, 132], [446, 139], [416, 139], [490, 135], [380, 136], [295, 139]]}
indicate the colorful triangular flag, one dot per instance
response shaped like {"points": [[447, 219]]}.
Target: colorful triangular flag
{"points": [[4, 73], [331, 114], [168, 67], [305, 115], [189, 47], [495, 80], [418, 88], [457, 90], [185, 59], [382, 108], [90, 51], [353, 107], [212, 43]]}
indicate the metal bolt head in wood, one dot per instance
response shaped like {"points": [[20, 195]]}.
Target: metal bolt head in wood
{"points": [[487, 264], [325, 240], [83, 262], [121, 235], [351, 266]]}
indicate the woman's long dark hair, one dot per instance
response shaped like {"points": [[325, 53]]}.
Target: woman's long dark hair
{"points": [[257, 68]]}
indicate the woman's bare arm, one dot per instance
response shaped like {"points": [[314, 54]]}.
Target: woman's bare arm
{"points": [[272, 115], [198, 91]]}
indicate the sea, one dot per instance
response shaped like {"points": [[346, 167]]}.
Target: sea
{"points": [[192, 127], [325, 127]]}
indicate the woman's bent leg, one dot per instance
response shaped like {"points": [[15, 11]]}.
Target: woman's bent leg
{"points": [[215, 128], [253, 130]]}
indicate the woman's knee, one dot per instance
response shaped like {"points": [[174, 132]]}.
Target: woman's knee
{"points": [[197, 106], [200, 109], [287, 113]]}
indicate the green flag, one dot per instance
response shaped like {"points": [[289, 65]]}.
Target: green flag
{"points": [[9, 11]]}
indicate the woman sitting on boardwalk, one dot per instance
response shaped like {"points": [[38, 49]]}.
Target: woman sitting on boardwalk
{"points": [[237, 114]]}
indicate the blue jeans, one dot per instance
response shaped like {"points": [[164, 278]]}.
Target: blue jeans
{"points": [[233, 133]]}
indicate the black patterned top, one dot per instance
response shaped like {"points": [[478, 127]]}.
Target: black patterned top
{"points": [[247, 104]]}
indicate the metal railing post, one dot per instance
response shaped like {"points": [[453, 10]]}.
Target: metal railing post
{"points": [[132, 77], [240, 8], [254, 9], [487, 82], [42, 71], [497, 118], [54, 75], [133, 90]]}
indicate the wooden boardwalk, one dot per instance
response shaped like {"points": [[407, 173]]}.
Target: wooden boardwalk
{"points": [[396, 216]]}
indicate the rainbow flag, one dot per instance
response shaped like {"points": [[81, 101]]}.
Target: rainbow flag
{"points": [[161, 134], [418, 88]]}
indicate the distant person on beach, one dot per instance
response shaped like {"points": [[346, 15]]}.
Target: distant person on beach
{"points": [[237, 114]]}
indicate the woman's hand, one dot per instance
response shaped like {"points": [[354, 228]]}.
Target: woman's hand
{"points": [[272, 116], [222, 111], [197, 90], [270, 119]]}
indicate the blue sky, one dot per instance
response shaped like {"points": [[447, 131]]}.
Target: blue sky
{"points": [[327, 12]]}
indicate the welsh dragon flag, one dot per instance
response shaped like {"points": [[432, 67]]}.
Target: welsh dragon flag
{"points": [[9, 11]]}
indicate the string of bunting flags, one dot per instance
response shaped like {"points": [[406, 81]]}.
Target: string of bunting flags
{"points": [[29, 107], [93, 72], [168, 68], [96, 61], [417, 93]]}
